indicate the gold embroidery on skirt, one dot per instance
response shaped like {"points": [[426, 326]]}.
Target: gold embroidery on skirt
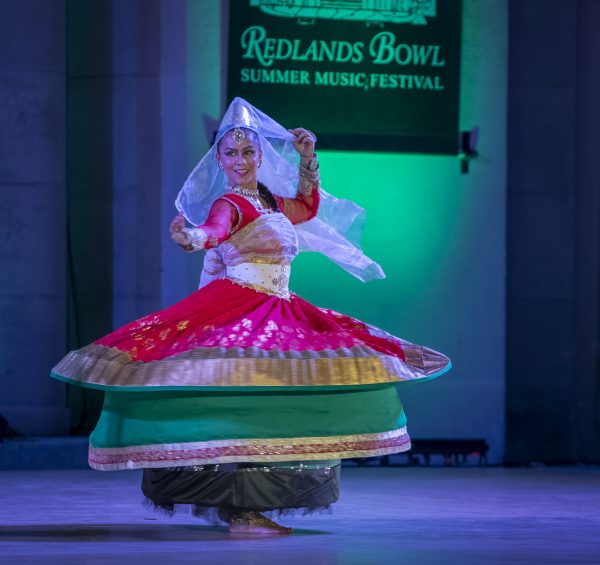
{"points": [[248, 450], [250, 366]]}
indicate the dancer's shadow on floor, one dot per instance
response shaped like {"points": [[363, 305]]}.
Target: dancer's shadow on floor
{"points": [[129, 532]]}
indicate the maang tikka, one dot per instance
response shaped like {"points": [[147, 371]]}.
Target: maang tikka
{"points": [[238, 135]]}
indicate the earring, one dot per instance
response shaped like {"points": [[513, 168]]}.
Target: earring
{"points": [[220, 165], [259, 162]]}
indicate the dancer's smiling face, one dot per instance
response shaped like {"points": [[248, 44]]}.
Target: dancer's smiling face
{"points": [[240, 158]]}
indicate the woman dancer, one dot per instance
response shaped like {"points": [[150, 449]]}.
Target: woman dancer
{"points": [[243, 398]]}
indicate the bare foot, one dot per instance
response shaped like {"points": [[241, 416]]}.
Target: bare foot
{"points": [[252, 522]]}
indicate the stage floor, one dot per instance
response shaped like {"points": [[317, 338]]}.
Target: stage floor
{"points": [[385, 515]]}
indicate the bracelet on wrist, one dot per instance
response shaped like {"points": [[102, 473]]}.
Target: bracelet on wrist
{"points": [[197, 238]]}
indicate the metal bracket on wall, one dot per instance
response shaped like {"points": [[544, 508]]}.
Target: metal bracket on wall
{"points": [[467, 152]]}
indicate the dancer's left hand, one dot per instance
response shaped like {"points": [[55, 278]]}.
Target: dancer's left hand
{"points": [[304, 142]]}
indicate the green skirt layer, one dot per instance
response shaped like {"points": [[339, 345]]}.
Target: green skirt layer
{"points": [[187, 428], [133, 418]]}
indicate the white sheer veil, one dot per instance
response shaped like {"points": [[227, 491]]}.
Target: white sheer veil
{"points": [[335, 231]]}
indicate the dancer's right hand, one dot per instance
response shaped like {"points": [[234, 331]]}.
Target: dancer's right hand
{"points": [[176, 228]]}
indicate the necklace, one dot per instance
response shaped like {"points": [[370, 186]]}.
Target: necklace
{"points": [[251, 194]]}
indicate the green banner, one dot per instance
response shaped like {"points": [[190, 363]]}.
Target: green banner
{"points": [[380, 75]]}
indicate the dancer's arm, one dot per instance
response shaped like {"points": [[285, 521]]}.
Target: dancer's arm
{"points": [[306, 203], [221, 220]]}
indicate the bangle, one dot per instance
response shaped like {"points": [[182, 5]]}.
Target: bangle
{"points": [[197, 238], [308, 175], [310, 163]]}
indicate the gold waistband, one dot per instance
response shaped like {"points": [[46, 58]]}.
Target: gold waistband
{"points": [[263, 277]]}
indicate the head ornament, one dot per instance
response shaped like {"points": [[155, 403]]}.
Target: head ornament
{"points": [[238, 135]]}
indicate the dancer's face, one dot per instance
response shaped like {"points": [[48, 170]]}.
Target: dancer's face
{"points": [[240, 159]]}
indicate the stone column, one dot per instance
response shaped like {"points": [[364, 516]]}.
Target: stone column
{"points": [[192, 100], [136, 154], [553, 382], [33, 248], [89, 189], [586, 403]]}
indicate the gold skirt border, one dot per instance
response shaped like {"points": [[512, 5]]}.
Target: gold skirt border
{"points": [[249, 450], [102, 366]]}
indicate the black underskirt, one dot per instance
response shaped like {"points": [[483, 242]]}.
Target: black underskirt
{"points": [[243, 486]]}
